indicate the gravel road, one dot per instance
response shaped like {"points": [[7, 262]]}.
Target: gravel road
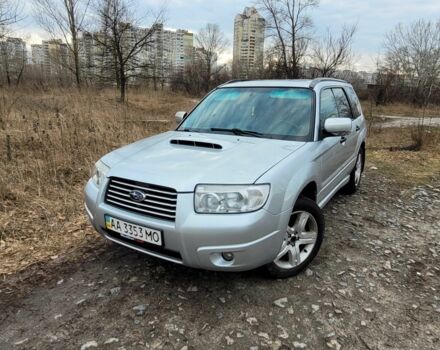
{"points": [[389, 121], [374, 285]]}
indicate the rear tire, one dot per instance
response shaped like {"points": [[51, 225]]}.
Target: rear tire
{"points": [[356, 175], [304, 236]]}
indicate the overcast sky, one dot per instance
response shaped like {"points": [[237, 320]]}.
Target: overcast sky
{"points": [[374, 18]]}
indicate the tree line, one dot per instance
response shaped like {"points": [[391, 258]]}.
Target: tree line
{"points": [[409, 68]]}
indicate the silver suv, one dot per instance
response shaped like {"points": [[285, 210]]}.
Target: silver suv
{"points": [[241, 182]]}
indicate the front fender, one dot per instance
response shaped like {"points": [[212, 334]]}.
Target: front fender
{"points": [[289, 177]]}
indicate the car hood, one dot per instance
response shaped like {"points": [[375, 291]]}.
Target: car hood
{"points": [[182, 160]]}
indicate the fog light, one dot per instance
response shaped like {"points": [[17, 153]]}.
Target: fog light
{"points": [[228, 256]]}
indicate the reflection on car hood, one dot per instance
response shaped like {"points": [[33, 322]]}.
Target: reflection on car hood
{"points": [[187, 161]]}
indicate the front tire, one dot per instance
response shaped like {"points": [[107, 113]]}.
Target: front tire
{"points": [[302, 242]]}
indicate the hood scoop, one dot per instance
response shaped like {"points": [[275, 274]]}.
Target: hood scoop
{"points": [[200, 144]]}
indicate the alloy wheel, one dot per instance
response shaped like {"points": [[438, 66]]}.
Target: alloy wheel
{"points": [[299, 241], [358, 170]]}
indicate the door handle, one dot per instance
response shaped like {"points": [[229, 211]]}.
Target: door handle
{"points": [[358, 128], [343, 140]]}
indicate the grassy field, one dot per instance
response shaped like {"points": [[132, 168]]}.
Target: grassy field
{"points": [[49, 141], [400, 109], [387, 151]]}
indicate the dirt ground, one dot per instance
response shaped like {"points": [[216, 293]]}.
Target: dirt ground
{"points": [[374, 285]]}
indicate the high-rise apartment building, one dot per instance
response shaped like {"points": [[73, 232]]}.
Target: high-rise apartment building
{"points": [[14, 49], [13, 57], [167, 52], [15, 46], [170, 51], [37, 54], [183, 53], [249, 32], [55, 57]]}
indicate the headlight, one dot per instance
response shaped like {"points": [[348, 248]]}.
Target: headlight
{"points": [[99, 172], [230, 198]]}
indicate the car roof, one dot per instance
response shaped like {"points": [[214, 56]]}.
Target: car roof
{"points": [[298, 83]]}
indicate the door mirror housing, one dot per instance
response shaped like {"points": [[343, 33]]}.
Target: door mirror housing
{"points": [[338, 126], [180, 116]]}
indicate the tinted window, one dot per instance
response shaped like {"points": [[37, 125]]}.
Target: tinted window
{"points": [[282, 113], [342, 103], [328, 107], [354, 101]]}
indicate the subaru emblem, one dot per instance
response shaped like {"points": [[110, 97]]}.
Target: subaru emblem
{"points": [[137, 196]]}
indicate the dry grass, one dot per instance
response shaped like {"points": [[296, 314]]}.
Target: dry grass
{"points": [[48, 142], [387, 152], [405, 167], [400, 138], [50, 139], [399, 109]]}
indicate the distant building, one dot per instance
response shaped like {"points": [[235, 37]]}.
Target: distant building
{"points": [[86, 53], [13, 57], [167, 52], [15, 46], [37, 54], [249, 32], [369, 78], [170, 51], [55, 57], [183, 49]]}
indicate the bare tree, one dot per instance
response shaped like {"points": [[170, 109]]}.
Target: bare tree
{"points": [[211, 44], [65, 18], [10, 13], [288, 24], [191, 79], [332, 52], [413, 52], [124, 44], [413, 56]]}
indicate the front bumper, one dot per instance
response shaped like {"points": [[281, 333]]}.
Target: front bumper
{"points": [[198, 240]]}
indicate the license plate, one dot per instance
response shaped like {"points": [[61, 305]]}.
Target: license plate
{"points": [[133, 232]]}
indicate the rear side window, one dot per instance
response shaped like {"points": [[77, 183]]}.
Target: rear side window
{"points": [[328, 108], [342, 103], [354, 102]]}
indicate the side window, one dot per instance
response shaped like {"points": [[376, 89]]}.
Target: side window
{"points": [[328, 108], [342, 103], [354, 101]]}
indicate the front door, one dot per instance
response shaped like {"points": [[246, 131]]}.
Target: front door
{"points": [[332, 148]]}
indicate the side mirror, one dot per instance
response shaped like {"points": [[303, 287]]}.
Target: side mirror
{"points": [[338, 126], [180, 116]]}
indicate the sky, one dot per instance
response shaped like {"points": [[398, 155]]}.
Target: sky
{"points": [[374, 18]]}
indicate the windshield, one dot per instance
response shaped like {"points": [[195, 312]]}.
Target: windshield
{"points": [[280, 113]]}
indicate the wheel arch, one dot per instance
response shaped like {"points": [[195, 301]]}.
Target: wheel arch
{"points": [[309, 191]]}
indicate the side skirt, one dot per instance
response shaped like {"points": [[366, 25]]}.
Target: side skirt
{"points": [[325, 200]]}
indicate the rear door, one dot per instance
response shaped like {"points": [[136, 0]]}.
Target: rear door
{"points": [[350, 144], [358, 117]]}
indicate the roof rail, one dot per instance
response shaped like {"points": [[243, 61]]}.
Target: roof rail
{"points": [[233, 81], [320, 80]]}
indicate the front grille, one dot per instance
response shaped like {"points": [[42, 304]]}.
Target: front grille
{"points": [[160, 202]]}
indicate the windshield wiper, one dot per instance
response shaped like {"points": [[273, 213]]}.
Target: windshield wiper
{"points": [[190, 130], [240, 132]]}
